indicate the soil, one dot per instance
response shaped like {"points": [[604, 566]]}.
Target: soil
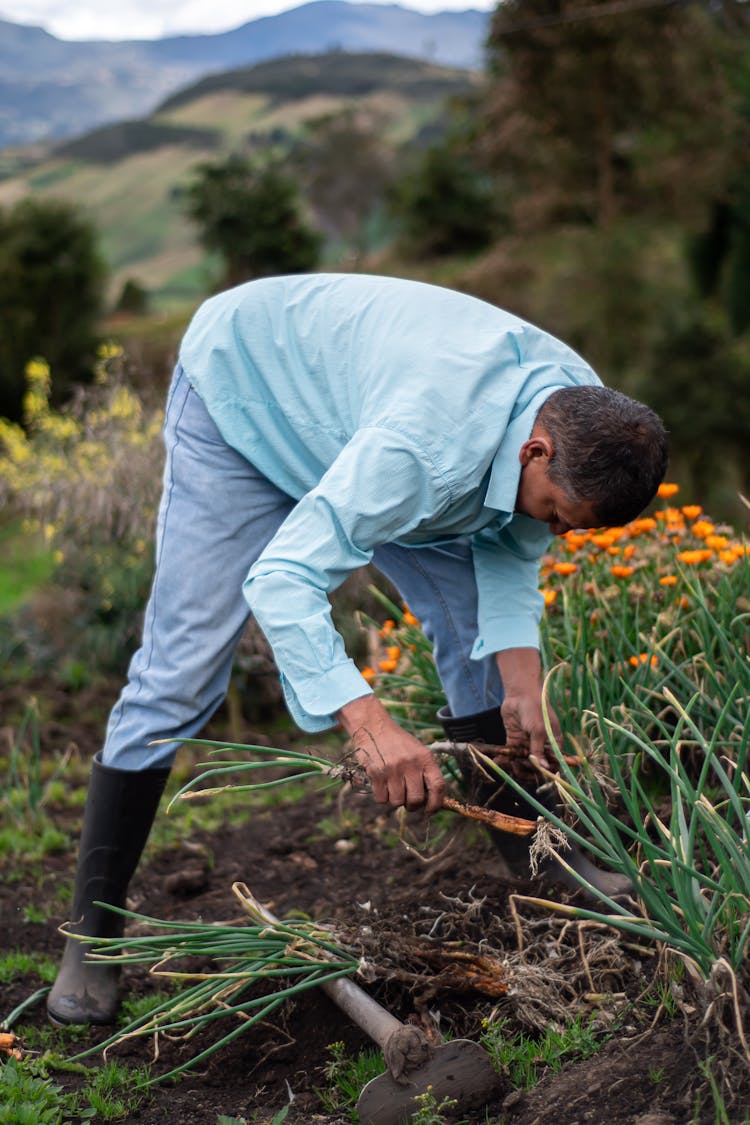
{"points": [[338, 860]]}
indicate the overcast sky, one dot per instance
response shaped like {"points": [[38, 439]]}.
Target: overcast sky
{"points": [[152, 19]]}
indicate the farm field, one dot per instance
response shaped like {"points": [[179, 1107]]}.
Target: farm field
{"points": [[449, 939], [631, 1011]]}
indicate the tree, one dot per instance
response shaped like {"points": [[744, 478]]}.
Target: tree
{"points": [[51, 297], [133, 299], [445, 202], [601, 108], [346, 168], [250, 215], [698, 383]]}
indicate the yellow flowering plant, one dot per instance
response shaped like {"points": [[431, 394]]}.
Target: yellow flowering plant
{"points": [[86, 479]]}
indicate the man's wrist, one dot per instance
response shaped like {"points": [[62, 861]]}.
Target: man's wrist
{"points": [[365, 711], [520, 670]]}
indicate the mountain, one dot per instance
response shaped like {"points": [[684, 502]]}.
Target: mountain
{"points": [[54, 88], [129, 177]]}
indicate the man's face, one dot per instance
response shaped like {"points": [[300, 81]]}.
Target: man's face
{"points": [[542, 499]]}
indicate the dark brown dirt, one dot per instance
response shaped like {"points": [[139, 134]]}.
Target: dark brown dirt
{"points": [[406, 917]]}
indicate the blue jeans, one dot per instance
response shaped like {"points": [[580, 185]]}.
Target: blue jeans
{"points": [[216, 516]]}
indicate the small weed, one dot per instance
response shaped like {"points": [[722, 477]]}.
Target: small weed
{"points": [[431, 1112], [139, 1007], [347, 1077], [49, 1040], [33, 913], [29, 1097], [111, 1090], [15, 963], [711, 1087], [656, 1075], [660, 994], [25, 783], [336, 827], [522, 1057], [277, 1119]]}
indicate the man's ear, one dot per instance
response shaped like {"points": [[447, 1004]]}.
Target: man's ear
{"points": [[538, 445]]}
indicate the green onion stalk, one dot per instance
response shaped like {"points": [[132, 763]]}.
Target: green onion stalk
{"points": [[254, 967]]}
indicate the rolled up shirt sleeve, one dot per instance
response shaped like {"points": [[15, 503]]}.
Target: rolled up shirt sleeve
{"points": [[380, 487], [506, 564]]}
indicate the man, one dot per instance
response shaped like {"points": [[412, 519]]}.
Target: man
{"points": [[315, 424]]}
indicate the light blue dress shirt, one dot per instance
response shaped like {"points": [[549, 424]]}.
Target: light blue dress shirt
{"points": [[392, 411]]}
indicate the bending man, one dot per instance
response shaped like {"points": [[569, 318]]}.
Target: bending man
{"points": [[315, 424]]}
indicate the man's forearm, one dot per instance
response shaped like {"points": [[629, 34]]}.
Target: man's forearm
{"points": [[520, 670]]}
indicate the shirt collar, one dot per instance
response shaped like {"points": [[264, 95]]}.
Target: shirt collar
{"points": [[505, 474]]}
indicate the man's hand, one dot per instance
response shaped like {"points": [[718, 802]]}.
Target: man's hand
{"points": [[401, 770], [521, 673]]}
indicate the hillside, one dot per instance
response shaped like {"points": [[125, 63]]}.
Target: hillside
{"points": [[129, 177], [53, 88]]}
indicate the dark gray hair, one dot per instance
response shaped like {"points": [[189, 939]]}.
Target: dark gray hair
{"points": [[609, 450]]}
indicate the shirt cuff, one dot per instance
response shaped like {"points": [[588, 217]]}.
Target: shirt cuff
{"points": [[314, 709], [501, 633]]}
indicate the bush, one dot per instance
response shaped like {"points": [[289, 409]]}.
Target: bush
{"points": [[51, 297], [89, 480]]}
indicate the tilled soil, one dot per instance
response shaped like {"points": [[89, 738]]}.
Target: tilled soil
{"points": [[445, 944], [407, 918]]}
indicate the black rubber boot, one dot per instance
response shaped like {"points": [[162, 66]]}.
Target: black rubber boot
{"points": [[487, 726], [120, 809]]}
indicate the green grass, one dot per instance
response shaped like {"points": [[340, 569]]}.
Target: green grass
{"points": [[29, 1096], [346, 1077], [15, 963], [25, 565], [524, 1058]]}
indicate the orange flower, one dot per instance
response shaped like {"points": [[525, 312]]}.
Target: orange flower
{"points": [[622, 571], [638, 527], [644, 658], [702, 528], [674, 515], [716, 542], [693, 558], [574, 540], [393, 652], [369, 674], [565, 568], [388, 665], [549, 596], [604, 539], [409, 618], [691, 511], [667, 489], [629, 551], [613, 550], [668, 580], [682, 602], [387, 628]]}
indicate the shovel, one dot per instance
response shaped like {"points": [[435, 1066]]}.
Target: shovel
{"points": [[459, 1069]]}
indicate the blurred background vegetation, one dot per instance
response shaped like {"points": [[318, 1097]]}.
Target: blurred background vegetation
{"points": [[593, 178]]}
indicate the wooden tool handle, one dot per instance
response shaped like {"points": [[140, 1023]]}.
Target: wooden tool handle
{"points": [[370, 1016]]}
